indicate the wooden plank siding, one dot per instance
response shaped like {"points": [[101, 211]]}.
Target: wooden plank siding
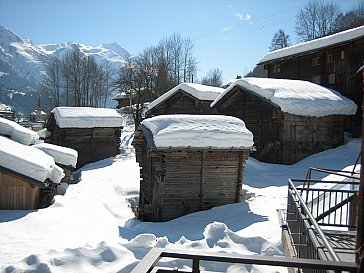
{"points": [[181, 103], [92, 144], [176, 183], [281, 137], [335, 67], [17, 193]]}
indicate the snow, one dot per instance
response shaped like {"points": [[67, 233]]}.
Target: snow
{"points": [[330, 40], [296, 97], [17, 132], [87, 117], [28, 161], [198, 131], [92, 227], [199, 91], [62, 155]]}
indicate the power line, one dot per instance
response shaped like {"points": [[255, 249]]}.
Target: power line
{"points": [[259, 19]]}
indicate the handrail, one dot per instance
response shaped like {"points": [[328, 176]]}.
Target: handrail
{"points": [[314, 223], [149, 262], [330, 171]]}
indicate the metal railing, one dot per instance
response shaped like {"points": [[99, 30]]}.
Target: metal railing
{"points": [[308, 239], [149, 264], [310, 207]]}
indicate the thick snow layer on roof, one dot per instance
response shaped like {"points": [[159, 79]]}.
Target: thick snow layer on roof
{"points": [[62, 155], [17, 132], [337, 38], [199, 91], [199, 131], [87, 117], [28, 161], [296, 97]]}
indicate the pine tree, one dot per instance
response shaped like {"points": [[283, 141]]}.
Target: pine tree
{"points": [[280, 40]]}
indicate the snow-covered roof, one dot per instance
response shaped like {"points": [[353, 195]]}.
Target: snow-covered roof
{"points": [[62, 155], [87, 117], [296, 97], [338, 38], [28, 161], [199, 91], [17, 132], [197, 132]]}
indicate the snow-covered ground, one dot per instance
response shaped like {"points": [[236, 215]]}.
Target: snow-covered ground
{"points": [[92, 227]]}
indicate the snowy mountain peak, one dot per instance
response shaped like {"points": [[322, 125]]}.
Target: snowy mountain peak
{"points": [[22, 61], [7, 36]]}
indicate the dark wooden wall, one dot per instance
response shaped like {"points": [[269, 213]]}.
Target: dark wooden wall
{"points": [[343, 61], [260, 117], [176, 183], [92, 144], [17, 194], [281, 137], [181, 103], [304, 136]]}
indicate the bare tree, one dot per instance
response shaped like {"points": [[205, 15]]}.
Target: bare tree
{"points": [[213, 78], [156, 70], [50, 86], [351, 19], [316, 19], [76, 80], [280, 40]]}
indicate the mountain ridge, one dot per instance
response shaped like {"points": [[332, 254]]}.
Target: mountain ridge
{"points": [[22, 63]]}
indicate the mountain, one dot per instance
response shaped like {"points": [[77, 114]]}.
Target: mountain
{"points": [[22, 63], [113, 53]]}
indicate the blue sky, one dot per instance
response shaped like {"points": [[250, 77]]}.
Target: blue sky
{"points": [[231, 35]]}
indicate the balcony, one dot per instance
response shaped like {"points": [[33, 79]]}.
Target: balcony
{"points": [[318, 232]]}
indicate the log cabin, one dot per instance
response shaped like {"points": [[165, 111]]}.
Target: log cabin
{"points": [[290, 119], [93, 132], [185, 98], [189, 163], [28, 176], [331, 61]]}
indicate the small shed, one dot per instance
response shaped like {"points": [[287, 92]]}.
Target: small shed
{"points": [[189, 163], [185, 98], [66, 158], [28, 176], [93, 132], [290, 119]]}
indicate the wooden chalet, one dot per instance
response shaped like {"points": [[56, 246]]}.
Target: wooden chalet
{"points": [[289, 119], [331, 61], [28, 177], [125, 99], [185, 98], [93, 132], [189, 163]]}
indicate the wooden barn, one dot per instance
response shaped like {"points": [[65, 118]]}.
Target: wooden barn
{"points": [[330, 61], [66, 158], [189, 163], [93, 132], [185, 98], [289, 119], [28, 176]]}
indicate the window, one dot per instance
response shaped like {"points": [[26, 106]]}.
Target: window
{"points": [[329, 58], [315, 61], [331, 79], [276, 68], [342, 55], [316, 79]]}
